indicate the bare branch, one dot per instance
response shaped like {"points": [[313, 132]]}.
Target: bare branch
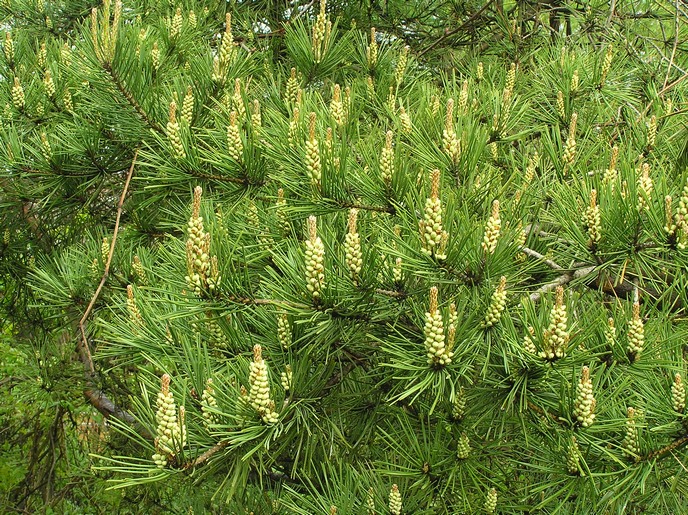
{"points": [[560, 281], [97, 398], [537, 255]]}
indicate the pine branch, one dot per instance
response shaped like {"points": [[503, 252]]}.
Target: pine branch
{"points": [[659, 453], [623, 289], [364, 207], [121, 87], [100, 401], [339, 376], [456, 30], [246, 301], [544, 413], [221, 178], [217, 178], [391, 293], [200, 460]]}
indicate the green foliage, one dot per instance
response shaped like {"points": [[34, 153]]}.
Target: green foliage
{"points": [[516, 208]]}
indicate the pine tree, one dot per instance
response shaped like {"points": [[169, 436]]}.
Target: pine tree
{"points": [[323, 269]]}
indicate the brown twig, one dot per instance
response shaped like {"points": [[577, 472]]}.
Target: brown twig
{"points": [[337, 377], [679, 442], [544, 413], [107, 264], [96, 397], [206, 455], [391, 293]]}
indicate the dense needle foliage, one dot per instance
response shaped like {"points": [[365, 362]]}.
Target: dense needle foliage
{"points": [[317, 258]]}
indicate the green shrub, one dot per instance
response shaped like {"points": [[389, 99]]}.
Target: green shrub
{"points": [[310, 268]]}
